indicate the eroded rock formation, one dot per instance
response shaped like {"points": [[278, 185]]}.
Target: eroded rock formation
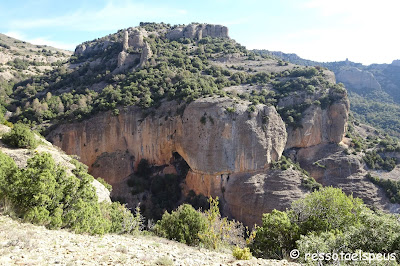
{"points": [[135, 51], [213, 141], [198, 31], [320, 125], [209, 138], [358, 80]]}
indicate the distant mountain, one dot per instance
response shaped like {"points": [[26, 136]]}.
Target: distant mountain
{"points": [[374, 90]]}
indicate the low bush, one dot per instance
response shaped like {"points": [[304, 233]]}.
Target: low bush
{"points": [[241, 253], [21, 136], [183, 225], [43, 193], [220, 231], [326, 221]]}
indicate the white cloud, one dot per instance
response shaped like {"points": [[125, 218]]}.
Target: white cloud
{"points": [[109, 17], [41, 41], [55, 44]]}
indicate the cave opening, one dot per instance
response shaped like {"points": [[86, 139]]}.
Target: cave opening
{"points": [[155, 188], [181, 166]]}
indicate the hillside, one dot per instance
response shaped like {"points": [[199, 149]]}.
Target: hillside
{"points": [[62, 247], [21, 156], [173, 115], [19, 59], [160, 105], [374, 90]]}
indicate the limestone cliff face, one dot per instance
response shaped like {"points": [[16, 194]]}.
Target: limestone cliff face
{"points": [[198, 31], [140, 50], [246, 196], [221, 142], [358, 80], [227, 148], [214, 140], [318, 124]]}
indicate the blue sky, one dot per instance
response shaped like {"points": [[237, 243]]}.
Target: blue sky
{"points": [[323, 30]]}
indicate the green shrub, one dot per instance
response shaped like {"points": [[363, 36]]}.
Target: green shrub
{"points": [[44, 194], [122, 220], [310, 183], [326, 209], [390, 187], [199, 202], [203, 120], [241, 253], [21, 136], [182, 225], [220, 231], [325, 242], [8, 168], [377, 233], [375, 161], [276, 237]]}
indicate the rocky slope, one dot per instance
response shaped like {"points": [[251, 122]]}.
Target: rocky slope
{"points": [[199, 106], [227, 148], [26, 244], [225, 144], [19, 59]]}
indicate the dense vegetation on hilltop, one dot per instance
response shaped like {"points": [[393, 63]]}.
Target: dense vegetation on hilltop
{"points": [[379, 114], [180, 70]]}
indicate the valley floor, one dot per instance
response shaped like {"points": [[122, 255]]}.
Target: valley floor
{"points": [[27, 244]]}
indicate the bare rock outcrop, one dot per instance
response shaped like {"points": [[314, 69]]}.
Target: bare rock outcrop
{"points": [[246, 196], [357, 79], [198, 31], [145, 55], [224, 143], [212, 140], [396, 62], [86, 49], [330, 166], [320, 125], [135, 51]]}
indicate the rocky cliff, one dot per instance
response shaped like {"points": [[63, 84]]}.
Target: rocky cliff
{"points": [[198, 31], [211, 140], [228, 152], [361, 81], [228, 118]]}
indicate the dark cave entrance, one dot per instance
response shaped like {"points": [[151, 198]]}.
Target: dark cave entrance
{"points": [[156, 188], [181, 166]]}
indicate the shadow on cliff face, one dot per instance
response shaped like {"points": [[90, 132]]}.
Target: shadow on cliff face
{"points": [[154, 188]]}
